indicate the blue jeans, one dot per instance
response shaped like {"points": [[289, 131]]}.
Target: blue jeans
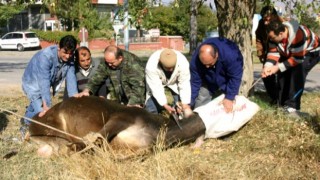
{"points": [[34, 108], [154, 107]]}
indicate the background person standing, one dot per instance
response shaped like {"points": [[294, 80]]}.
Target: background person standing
{"points": [[300, 48], [268, 13]]}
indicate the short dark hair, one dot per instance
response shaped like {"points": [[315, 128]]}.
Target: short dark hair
{"points": [[77, 51], [115, 50], [268, 10], [68, 42], [276, 26]]}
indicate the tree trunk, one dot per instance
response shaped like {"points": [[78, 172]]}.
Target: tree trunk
{"points": [[235, 23], [72, 24], [193, 25], [138, 28]]}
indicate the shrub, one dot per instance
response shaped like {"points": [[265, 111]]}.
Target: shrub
{"points": [[101, 34], [54, 36]]}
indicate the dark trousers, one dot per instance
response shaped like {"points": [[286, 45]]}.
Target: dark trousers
{"points": [[291, 85], [291, 82], [270, 83]]}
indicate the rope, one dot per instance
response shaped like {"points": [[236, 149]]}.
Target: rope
{"points": [[255, 83], [45, 125]]}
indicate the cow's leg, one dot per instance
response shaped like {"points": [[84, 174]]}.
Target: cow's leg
{"points": [[110, 130], [199, 142], [128, 133], [49, 145], [115, 125]]}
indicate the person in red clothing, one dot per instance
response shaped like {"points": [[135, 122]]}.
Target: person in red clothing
{"points": [[300, 48]]}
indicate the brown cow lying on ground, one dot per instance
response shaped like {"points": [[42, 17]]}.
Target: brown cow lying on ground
{"points": [[123, 127]]}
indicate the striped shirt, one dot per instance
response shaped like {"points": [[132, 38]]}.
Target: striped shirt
{"points": [[301, 40]]}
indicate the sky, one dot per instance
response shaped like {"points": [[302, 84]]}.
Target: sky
{"points": [[283, 7], [166, 2]]}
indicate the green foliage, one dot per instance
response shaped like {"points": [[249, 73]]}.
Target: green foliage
{"points": [[67, 8], [207, 21], [163, 18], [7, 11], [260, 4], [99, 25], [54, 36], [173, 20], [305, 12], [105, 34], [76, 14], [138, 12], [311, 22], [181, 11]]}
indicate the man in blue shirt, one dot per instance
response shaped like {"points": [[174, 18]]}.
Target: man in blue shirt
{"points": [[48, 68], [217, 64]]}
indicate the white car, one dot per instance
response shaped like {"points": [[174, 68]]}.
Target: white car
{"points": [[19, 41]]}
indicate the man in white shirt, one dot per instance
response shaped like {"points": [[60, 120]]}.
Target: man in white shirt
{"points": [[168, 75]]}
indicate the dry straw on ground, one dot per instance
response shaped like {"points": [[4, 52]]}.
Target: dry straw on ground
{"points": [[270, 146]]}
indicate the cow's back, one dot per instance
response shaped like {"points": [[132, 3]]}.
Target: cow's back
{"points": [[77, 116]]}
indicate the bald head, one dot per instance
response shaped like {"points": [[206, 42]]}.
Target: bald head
{"points": [[208, 55], [111, 49], [113, 56]]}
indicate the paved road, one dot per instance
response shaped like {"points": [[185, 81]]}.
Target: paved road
{"points": [[12, 64]]}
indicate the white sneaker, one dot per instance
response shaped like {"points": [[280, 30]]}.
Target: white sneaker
{"points": [[296, 114]]}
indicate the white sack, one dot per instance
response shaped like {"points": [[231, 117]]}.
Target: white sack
{"points": [[219, 123]]}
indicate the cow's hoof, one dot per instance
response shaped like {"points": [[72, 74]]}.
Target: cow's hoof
{"points": [[92, 138], [199, 142], [45, 151]]}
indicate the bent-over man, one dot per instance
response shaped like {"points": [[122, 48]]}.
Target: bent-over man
{"points": [[124, 73]]}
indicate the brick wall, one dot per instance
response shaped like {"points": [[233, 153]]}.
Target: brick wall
{"points": [[174, 42], [143, 46], [100, 44]]}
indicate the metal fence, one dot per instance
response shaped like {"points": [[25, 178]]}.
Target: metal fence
{"points": [[139, 40]]}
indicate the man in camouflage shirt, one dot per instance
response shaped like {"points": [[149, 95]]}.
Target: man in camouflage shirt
{"points": [[124, 73]]}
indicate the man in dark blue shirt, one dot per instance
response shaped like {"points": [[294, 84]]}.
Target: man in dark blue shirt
{"points": [[217, 64]]}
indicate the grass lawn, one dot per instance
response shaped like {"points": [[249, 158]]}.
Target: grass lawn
{"points": [[270, 146]]}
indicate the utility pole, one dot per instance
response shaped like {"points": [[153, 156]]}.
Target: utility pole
{"points": [[126, 25]]}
